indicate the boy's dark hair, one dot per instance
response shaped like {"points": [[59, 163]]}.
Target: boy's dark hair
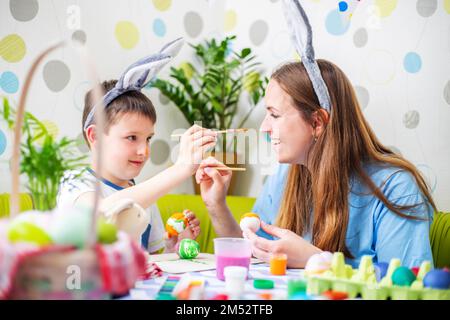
{"points": [[129, 102]]}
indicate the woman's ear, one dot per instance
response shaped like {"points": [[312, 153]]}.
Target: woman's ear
{"points": [[320, 120], [91, 135]]}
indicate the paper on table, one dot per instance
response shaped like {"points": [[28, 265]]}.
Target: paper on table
{"points": [[171, 262]]}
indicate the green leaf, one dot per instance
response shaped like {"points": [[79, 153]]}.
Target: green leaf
{"points": [[245, 52], [217, 106]]}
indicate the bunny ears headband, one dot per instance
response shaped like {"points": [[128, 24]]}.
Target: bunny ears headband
{"points": [[301, 36], [139, 74]]}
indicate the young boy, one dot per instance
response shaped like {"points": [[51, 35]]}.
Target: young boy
{"points": [[129, 126]]}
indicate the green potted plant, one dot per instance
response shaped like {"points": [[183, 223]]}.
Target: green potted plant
{"points": [[43, 159], [210, 93]]}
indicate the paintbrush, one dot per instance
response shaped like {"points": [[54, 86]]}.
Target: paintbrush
{"points": [[218, 131]]}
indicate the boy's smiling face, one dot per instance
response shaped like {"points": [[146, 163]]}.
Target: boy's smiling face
{"points": [[127, 147]]}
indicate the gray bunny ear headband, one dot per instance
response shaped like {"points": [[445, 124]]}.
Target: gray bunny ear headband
{"points": [[301, 36], [139, 74]]}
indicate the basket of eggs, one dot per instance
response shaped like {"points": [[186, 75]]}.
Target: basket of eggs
{"points": [[74, 252]]}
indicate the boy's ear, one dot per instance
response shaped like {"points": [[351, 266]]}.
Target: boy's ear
{"points": [[91, 134]]}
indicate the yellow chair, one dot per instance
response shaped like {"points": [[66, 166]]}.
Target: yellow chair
{"points": [[25, 203], [440, 239], [172, 203]]}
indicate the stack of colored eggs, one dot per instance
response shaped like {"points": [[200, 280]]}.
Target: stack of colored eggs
{"points": [[64, 226], [376, 281]]}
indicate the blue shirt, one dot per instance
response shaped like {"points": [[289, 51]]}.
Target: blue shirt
{"points": [[373, 229]]}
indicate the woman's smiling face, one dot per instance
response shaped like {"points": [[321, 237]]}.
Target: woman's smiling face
{"points": [[291, 135]]}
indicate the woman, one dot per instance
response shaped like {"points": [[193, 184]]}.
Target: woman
{"points": [[345, 191]]}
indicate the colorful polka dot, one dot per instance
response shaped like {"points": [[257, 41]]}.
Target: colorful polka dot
{"points": [[79, 36], [335, 25], [52, 129], [56, 75], [343, 6], [9, 82], [258, 32], [360, 37], [188, 69], [2, 142], [447, 6], [447, 92], [193, 24], [230, 20], [126, 34], [81, 144], [411, 119], [426, 8], [385, 7], [162, 5], [163, 99], [159, 27], [23, 10], [251, 81], [412, 62], [363, 96], [159, 152], [12, 48]]}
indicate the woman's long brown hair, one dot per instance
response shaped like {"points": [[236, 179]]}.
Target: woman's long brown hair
{"points": [[339, 152]]}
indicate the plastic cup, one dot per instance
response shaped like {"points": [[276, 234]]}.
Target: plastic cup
{"points": [[231, 252], [235, 280], [278, 264]]}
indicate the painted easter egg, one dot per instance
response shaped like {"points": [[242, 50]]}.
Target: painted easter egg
{"points": [[176, 224], [437, 279], [415, 270], [403, 276], [23, 231], [188, 249], [71, 226], [319, 263], [106, 232], [250, 221], [380, 270]]}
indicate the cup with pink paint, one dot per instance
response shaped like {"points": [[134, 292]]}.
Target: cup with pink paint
{"points": [[231, 252]]}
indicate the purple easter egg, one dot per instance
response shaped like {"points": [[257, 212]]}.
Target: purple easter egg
{"points": [[437, 279], [380, 270]]}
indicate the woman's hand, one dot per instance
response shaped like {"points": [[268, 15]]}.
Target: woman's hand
{"points": [[192, 231], [193, 145], [297, 249], [214, 184]]}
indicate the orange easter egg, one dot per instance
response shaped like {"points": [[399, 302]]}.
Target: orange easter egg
{"points": [[176, 224]]}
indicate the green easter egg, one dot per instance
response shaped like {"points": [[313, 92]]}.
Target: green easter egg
{"points": [[106, 232], [27, 232], [403, 276], [72, 226], [188, 249]]}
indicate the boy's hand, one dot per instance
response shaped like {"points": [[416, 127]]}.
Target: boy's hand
{"points": [[194, 143]]}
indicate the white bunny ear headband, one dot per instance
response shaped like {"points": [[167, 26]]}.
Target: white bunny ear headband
{"points": [[301, 36], [139, 74]]}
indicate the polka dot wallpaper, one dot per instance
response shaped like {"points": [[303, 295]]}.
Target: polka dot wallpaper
{"points": [[395, 52]]}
